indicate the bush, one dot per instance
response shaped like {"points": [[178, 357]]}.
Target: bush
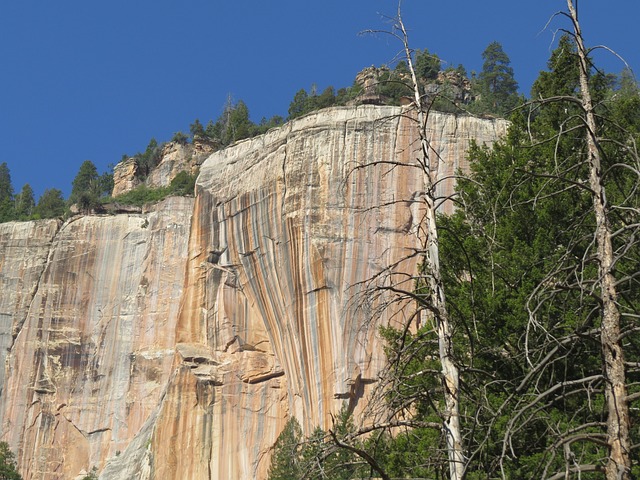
{"points": [[182, 185]]}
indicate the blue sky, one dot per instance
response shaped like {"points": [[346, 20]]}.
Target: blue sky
{"points": [[88, 80]]}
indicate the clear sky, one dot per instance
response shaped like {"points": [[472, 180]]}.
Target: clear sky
{"points": [[92, 80]]}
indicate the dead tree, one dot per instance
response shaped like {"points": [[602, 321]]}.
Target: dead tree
{"points": [[422, 292], [618, 422]]}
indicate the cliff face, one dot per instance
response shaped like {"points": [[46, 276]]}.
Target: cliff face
{"points": [[175, 343]]}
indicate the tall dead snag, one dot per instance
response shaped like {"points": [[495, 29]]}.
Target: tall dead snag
{"points": [[433, 277], [420, 296], [619, 462]]}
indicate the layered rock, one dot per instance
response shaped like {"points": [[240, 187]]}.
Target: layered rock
{"points": [[176, 343]]}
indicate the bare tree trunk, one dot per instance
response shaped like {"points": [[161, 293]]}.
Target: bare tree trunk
{"points": [[450, 371], [619, 463]]}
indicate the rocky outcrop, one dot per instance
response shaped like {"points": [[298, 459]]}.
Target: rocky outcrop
{"points": [[176, 343], [124, 177], [175, 157]]}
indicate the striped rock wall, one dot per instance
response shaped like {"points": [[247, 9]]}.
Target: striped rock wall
{"points": [[176, 343]]}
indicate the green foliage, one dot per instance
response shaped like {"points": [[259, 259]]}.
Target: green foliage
{"points": [[51, 204], [105, 182], [300, 104], [304, 102], [6, 194], [427, 65], [183, 184], [496, 86], [234, 124], [196, 129], [180, 138], [267, 124], [519, 268], [393, 85], [24, 203], [317, 457], [148, 160], [88, 187], [8, 469], [285, 461], [520, 271]]}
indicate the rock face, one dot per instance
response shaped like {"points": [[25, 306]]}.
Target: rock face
{"points": [[124, 177], [174, 158], [95, 348], [176, 343]]}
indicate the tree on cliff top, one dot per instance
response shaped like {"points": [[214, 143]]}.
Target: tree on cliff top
{"points": [[85, 188], [88, 187], [6, 194], [51, 204], [497, 86], [24, 203]]}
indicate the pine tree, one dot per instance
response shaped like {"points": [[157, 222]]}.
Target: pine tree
{"points": [[24, 203], [496, 83], [6, 194], [285, 461], [8, 469], [51, 204], [85, 190]]}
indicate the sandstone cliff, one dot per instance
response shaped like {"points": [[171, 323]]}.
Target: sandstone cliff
{"points": [[175, 343]]}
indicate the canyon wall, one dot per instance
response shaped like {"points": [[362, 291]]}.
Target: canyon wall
{"points": [[176, 343]]}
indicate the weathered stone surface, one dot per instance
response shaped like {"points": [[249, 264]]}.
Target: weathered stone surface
{"points": [[24, 248], [285, 228], [175, 343], [124, 177], [176, 158], [95, 351]]}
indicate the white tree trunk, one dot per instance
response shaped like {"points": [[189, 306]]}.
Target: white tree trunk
{"points": [[619, 463], [450, 371]]}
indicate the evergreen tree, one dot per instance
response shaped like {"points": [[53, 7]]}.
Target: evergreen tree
{"points": [[105, 183], [8, 470], [85, 191], [524, 267], [148, 160], [51, 204], [24, 203], [285, 461], [240, 125], [6, 194], [233, 124], [299, 105], [496, 83], [427, 65], [196, 129]]}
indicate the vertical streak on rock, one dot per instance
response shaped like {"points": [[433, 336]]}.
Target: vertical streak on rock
{"points": [[95, 350], [25, 248], [271, 319]]}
